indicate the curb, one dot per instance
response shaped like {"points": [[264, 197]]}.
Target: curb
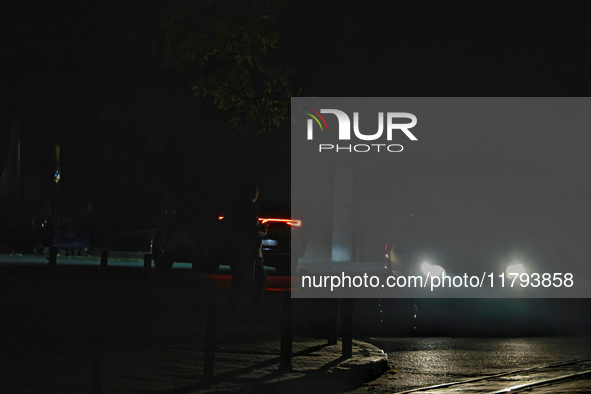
{"points": [[369, 361]]}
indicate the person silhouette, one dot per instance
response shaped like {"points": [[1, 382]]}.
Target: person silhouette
{"points": [[248, 274]]}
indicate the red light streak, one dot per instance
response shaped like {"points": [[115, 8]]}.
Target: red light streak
{"points": [[291, 222]]}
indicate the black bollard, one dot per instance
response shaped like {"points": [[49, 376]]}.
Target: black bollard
{"points": [[145, 299], [333, 320], [104, 262], [210, 339], [347, 328], [52, 258], [98, 348], [286, 332]]}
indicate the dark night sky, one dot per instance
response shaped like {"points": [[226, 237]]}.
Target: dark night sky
{"points": [[403, 48], [83, 73], [101, 50], [460, 48]]}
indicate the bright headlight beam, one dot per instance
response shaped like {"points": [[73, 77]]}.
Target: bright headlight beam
{"points": [[514, 269], [432, 269]]}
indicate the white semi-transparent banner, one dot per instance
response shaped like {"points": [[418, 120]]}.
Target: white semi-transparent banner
{"points": [[441, 197]]}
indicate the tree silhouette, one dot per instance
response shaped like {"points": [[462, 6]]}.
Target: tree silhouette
{"points": [[230, 52]]}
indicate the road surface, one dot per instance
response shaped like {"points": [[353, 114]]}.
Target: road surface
{"points": [[422, 362]]}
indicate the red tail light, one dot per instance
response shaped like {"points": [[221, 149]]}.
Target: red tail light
{"points": [[290, 222]]}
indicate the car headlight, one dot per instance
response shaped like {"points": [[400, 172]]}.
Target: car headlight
{"points": [[514, 269], [432, 269]]}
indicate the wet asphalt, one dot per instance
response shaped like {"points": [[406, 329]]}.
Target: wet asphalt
{"points": [[420, 362]]}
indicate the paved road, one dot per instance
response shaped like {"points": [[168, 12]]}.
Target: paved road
{"points": [[420, 362]]}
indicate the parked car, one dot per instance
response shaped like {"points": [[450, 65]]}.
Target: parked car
{"points": [[67, 225], [203, 240], [283, 235], [185, 238]]}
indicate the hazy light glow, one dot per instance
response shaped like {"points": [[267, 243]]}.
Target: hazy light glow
{"points": [[515, 269], [432, 269]]}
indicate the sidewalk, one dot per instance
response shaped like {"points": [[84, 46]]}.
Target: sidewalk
{"points": [[151, 336], [250, 363], [246, 361]]}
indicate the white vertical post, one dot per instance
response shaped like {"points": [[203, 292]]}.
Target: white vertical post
{"points": [[342, 222]]}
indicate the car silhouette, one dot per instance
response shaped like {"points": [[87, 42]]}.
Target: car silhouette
{"points": [[205, 242]]}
